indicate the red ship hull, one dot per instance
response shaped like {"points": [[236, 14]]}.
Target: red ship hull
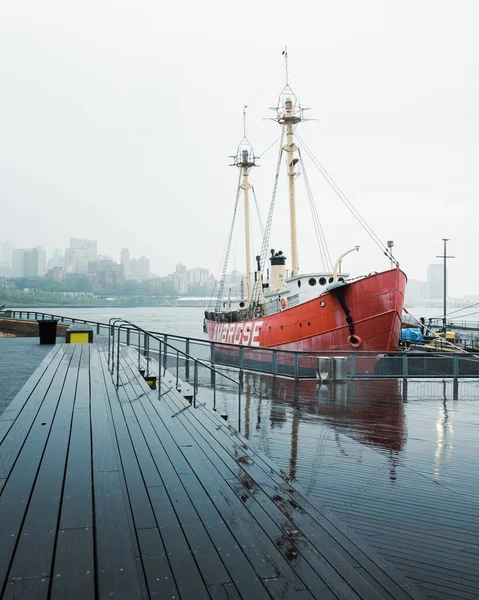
{"points": [[375, 304]]}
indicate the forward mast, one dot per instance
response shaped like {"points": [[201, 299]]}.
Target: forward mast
{"points": [[245, 160]]}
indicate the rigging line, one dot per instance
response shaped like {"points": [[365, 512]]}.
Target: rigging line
{"points": [[353, 210], [323, 246], [339, 192], [466, 315], [217, 280], [342, 195], [318, 234], [268, 148], [228, 247], [443, 340], [261, 224], [461, 309], [264, 247]]}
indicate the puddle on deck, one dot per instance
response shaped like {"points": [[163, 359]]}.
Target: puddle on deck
{"points": [[365, 432]]}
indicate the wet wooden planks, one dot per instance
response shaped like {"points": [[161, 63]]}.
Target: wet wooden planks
{"points": [[63, 511], [114, 493], [288, 553]]}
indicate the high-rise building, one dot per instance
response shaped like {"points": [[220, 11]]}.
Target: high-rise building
{"points": [[198, 276], [57, 259], [28, 262], [90, 247], [17, 262], [125, 262], [435, 281], [76, 260], [7, 252], [140, 268]]}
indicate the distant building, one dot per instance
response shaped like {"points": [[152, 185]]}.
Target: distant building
{"points": [[57, 259], [6, 255], [140, 268], [76, 260], [90, 247], [417, 291], [105, 274], [125, 262], [5, 269], [28, 262], [198, 276], [6, 284], [435, 281], [57, 274]]}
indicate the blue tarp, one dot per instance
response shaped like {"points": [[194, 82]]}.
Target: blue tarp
{"points": [[412, 334]]}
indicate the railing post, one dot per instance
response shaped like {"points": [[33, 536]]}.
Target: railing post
{"points": [[159, 369], [241, 358], [118, 359], [177, 366], [98, 328], [352, 365], [187, 361], [165, 352], [239, 408], [455, 366], [404, 365], [147, 355], [212, 353], [127, 337], [112, 347], [195, 383], [296, 365], [213, 383]]}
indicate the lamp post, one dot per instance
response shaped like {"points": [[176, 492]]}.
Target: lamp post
{"points": [[390, 245], [445, 257]]}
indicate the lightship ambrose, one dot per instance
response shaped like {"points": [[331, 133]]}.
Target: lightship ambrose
{"points": [[321, 311]]}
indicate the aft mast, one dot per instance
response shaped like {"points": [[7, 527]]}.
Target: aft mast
{"points": [[245, 160], [289, 114]]}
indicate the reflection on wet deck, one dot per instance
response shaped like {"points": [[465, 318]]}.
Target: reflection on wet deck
{"points": [[396, 461]]}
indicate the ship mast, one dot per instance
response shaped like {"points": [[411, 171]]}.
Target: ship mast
{"points": [[289, 114], [245, 160]]}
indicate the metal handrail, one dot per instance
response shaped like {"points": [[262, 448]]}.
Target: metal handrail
{"points": [[147, 335]]}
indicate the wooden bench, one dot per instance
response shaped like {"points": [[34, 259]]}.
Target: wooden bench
{"points": [[79, 333]]}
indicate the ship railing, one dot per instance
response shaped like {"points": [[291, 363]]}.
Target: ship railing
{"points": [[301, 365], [156, 351]]}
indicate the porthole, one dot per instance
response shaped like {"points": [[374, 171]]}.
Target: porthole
{"points": [[341, 279], [312, 281], [281, 327], [322, 304], [270, 328], [331, 280], [300, 324], [322, 281], [299, 282], [309, 323], [241, 304]]}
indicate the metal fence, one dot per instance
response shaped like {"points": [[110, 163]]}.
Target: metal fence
{"points": [[324, 365]]}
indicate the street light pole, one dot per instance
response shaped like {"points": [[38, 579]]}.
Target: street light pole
{"points": [[445, 257]]}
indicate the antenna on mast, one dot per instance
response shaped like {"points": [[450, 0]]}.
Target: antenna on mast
{"points": [[244, 121], [285, 54]]}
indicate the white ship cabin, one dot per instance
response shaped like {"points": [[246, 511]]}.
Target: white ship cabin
{"points": [[281, 292]]}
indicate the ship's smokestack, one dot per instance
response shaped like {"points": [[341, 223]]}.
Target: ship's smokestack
{"points": [[278, 271]]}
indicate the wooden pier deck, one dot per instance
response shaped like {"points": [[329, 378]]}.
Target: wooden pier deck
{"points": [[107, 494]]}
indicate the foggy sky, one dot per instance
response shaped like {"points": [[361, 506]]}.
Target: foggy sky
{"points": [[117, 120]]}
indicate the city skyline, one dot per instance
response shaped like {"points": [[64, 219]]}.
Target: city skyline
{"points": [[125, 134], [84, 252]]}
